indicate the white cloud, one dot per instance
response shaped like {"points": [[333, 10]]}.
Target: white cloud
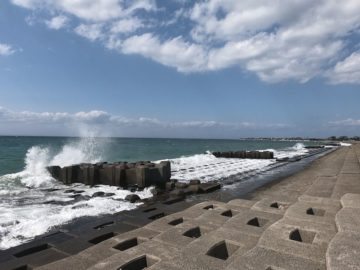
{"points": [[346, 71], [94, 10], [346, 122], [127, 25], [57, 22], [6, 49], [97, 117], [277, 40], [90, 31], [175, 52]]}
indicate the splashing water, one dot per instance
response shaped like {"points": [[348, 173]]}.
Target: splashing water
{"points": [[26, 194], [86, 150], [28, 208]]}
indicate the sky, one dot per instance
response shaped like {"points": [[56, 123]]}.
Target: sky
{"points": [[180, 68]]}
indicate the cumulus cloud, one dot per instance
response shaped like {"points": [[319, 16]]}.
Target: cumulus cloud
{"points": [[6, 49], [175, 52], [277, 40], [57, 22], [127, 25], [346, 71], [90, 31]]}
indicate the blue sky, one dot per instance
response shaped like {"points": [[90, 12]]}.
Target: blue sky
{"points": [[146, 68]]}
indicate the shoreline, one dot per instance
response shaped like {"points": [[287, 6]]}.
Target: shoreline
{"points": [[74, 237]]}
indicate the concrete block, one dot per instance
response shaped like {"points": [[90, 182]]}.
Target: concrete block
{"points": [[322, 187], [120, 176], [183, 234], [296, 237], [271, 205], [167, 222], [209, 187], [246, 241], [239, 204], [350, 200], [107, 175], [73, 247], [251, 222], [90, 175], [69, 174], [313, 212], [215, 218], [267, 259], [43, 257], [348, 220], [211, 252], [320, 201], [343, 252], [54, 171], [131, 176], [165, 169], [116, 244], [200, 208], [145, 255], [69, 263]]}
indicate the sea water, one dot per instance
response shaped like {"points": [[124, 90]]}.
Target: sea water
{"points": [[32, 202]]}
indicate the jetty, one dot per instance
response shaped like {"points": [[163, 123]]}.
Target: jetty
{"points": [[309, 220]]}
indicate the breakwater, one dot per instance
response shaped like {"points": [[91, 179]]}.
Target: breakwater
{"points": [[245, 154], [123, 174]]}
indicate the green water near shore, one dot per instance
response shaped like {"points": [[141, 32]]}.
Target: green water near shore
{"points": [[13, 149]]}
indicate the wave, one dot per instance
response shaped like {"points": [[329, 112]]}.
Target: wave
{"points": [[35, 174], [26, 194], [345, 144]]}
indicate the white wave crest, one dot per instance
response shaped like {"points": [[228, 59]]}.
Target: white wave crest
{"points": [[207, 167], [35, 174]]}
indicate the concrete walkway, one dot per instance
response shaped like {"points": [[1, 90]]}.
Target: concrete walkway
{"points": [[308, 221]]}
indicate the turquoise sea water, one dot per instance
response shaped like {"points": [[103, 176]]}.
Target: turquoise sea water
{"points": [[13, 149]]}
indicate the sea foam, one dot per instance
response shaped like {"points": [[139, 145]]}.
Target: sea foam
{"points": [[29, 209]]}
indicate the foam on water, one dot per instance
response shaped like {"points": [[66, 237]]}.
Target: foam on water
{"points": [[28, 208], [207, 167], [32, 202], [345, 144]]}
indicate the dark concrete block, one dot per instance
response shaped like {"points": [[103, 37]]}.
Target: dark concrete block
{"points": [[209, 187]]}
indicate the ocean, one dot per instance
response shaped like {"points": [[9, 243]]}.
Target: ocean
{"points": [[32, 203]]}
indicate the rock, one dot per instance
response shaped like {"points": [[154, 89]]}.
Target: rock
{"points": [[132, 198], [50, 189], [181, 185], [109, 194], [177, 193], [194, 182], [98, 194], [194, 188], [70, 191], [157, 191], [282, 159], [188, 191], [80, 206], [75, 196], [169, 186]]}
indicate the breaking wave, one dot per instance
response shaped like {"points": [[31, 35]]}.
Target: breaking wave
{"points": [[33, 203]]}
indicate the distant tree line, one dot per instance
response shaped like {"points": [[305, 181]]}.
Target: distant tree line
{"points": [[344, 138]]}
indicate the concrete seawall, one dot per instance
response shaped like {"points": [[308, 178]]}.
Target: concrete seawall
{"points": [[310, 220]]}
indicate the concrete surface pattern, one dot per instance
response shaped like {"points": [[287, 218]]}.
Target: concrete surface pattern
{"points": [[310, 221]]}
